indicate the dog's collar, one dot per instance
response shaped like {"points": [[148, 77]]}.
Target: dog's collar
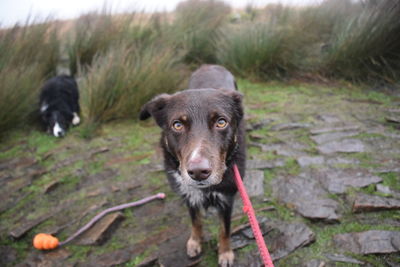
{"points": [[233, 152]]}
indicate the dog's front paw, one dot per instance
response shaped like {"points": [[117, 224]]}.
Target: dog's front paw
{"points": [[193, 247], [225, 259], [76, 120]]}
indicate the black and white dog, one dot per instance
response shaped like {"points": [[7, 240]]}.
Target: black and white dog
{"points": [[202, 137], [59, 104]]}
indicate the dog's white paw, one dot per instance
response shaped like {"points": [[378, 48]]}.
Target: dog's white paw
{"points": [[76, 120], [226, 259], [193, 247]]}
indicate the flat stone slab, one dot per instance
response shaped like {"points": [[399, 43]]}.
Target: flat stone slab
{"points": [[280, 149], [337, 181], [341, 160], [327, 137], [292, 237], [305, 161], [343, 146], [264, 164], [26, 226], [258, 125], [365, 202], [393, 118], [369, 242], [342, 258], [290, 126], [97, 234], [282, 238], [254, 183], [307, 197], [328, 129], [387, 190]]}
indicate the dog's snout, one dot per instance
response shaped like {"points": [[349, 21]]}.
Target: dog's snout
{"points": [[199, 169]]}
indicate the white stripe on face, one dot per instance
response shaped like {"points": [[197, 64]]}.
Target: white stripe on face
{"points": [[57, 130], [195, 153]]}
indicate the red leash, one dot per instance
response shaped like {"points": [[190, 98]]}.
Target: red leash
{"points": [[248, 209]]}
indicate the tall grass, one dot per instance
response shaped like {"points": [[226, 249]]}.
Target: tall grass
{"points": [[366, 47], [94, 33], [118, 83], [123, 60], [196, 28], [260, 50], [29, 54]]}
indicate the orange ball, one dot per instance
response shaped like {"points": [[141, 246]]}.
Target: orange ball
{"points": [[45, 241]]}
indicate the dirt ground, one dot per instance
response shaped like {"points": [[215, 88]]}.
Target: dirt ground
{"points": [[323, 172]]}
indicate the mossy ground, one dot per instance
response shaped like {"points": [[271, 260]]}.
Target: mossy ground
{"points": [[133, 150]]}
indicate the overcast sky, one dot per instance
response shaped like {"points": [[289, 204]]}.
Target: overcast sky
{"points": [[12, 11]]}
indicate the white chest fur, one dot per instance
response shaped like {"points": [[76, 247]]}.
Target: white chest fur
{"points": [[196, 196]]}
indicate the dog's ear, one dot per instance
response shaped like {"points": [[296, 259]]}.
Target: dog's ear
{"points": [[237, 98], [155, 108]]}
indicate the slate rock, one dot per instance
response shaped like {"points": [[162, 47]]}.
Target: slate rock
{"points": [[307, 197], [281, 237], [256, 136], [280, 149], [386, 169], [315, 263], [327, 137], [292, 237], [337, 181], [305, 161], [342, 258], [393, 118], [20, 230], [99, 232], [341, 160], [369, 242], [365, 202], [258, 125], [290, 126], [384, 145], [254, 183], [264, 164], [387, 190], [329, 118], [248, 259], [238, 241], [265, 226], [328, 129], [343, 146]]}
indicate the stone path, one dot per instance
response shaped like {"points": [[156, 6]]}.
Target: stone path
{"points": [[324, 182]]}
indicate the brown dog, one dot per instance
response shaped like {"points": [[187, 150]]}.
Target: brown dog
{"points": [[202, 137]]}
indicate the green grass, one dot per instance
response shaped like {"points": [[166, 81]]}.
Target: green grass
{"points": [[260, 50], [196, 29], [391, 180], [357, 49], [42, 142], [119, 83], [32, 56]]}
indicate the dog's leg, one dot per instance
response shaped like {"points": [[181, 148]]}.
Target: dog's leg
{"points": [[225, 253], [193, 246], [76, 120]]}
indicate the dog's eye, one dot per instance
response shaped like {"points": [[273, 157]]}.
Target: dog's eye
{"points": [[177, 125], [221, 123]]}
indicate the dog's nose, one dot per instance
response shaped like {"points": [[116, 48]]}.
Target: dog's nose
{"points": [[199, 169]]}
